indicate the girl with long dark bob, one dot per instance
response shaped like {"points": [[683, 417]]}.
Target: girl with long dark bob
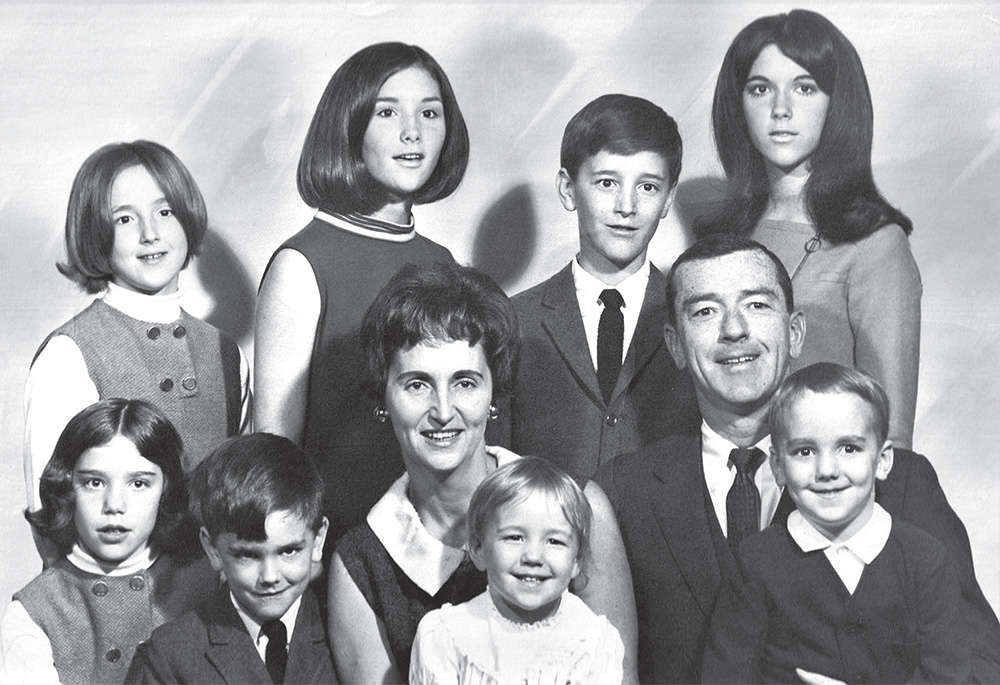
{"points": [[792, 118]]}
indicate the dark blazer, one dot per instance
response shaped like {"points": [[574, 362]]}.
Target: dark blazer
{"points": [[660, 497], [556, 409], [211, 645]]}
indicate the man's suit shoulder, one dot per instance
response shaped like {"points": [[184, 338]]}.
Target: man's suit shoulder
{"points": [[633, 469], [912, 464], [912, 476]]}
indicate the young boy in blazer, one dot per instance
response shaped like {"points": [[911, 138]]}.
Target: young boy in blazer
{"points": [[263, 528], [594, 378]]}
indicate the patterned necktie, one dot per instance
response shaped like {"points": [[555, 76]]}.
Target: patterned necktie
{"points": [[610, 334], [743, 500], [276, 654]]}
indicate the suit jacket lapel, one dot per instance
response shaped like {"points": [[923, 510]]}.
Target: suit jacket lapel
{"points": [[648, 335], [308, 654], [682, 516], [231, 649], [562, 320]]}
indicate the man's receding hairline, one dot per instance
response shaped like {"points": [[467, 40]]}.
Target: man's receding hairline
{"points": [[772, 268]]}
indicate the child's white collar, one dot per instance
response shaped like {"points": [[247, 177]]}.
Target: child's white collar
{"points": [[254, 628], [140, 560], [866, 544], [152, 308]]}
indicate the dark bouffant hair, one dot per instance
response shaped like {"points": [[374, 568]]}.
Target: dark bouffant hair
{"points": [[440, 302]]}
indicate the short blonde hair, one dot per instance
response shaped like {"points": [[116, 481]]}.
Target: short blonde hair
{"points": [[828, 378], [515, 482]]}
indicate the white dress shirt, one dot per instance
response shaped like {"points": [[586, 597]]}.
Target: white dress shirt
{"points": [[588, 294], [253, 627], [720, 474]]}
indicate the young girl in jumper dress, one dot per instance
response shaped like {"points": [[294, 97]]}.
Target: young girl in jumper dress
{"points": [[135, 220], [114, 503], [528, 527]]}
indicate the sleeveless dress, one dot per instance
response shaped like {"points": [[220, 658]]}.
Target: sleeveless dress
{"points": [[357, 457]]}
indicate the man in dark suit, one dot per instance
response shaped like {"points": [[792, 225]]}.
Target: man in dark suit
{"points": [[734, 328], [594, 378]]}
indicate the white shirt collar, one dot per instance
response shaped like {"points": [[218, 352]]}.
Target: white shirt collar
{"points": [[253, 627], [427, 561], [866, 544], [152, 308], [140, 560], [716, 449], [632, 289], [588, 292]]}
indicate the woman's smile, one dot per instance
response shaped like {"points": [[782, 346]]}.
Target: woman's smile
{"points": [[438, 398]]}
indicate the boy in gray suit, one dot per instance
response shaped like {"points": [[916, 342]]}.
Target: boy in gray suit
{"points": [[263, 528], [594, 378]]}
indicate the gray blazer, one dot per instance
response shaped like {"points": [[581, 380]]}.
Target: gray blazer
{"points": [[211, 645], [556, 409]]}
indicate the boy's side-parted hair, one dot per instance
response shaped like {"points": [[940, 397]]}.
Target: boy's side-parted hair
{"points": [[250, 476], [828, 378], [621, 125], [439, 303], [332, 175], [514, 482], [841, 194], [90, 228], [719, 245], [154, 437]]}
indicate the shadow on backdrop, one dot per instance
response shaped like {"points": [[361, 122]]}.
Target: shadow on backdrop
{"points": [[697, 203], [533, 64], [505, 238], [228, 284]]}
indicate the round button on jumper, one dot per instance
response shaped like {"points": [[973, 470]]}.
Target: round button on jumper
{"points": [[113, 655], [136, 583], [153, 332], [167, 384], [190, 383], [611, 420], [180, 331], [100, 588]]}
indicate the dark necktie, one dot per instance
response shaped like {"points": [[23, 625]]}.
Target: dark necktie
{"points": [[610, 333], [743, 500], [276, 654]]}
